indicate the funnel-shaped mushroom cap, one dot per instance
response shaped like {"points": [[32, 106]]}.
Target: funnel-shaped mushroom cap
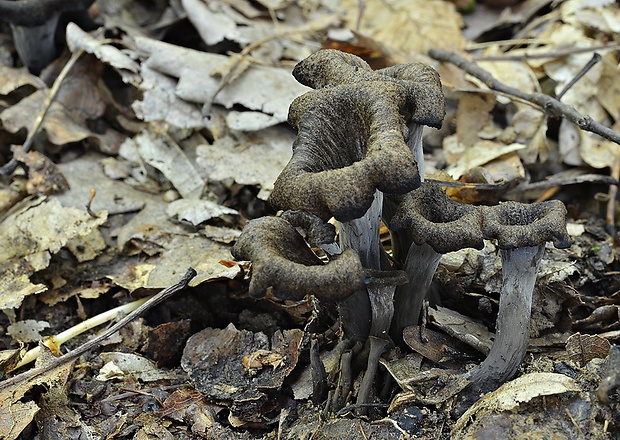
{"points": [[349, 144], [516, 225], [351, 138], [430, 216], [281, 259], [424, 95]]}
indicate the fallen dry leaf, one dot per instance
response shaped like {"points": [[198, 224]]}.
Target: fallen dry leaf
{"points": [[214, 359], [512, 394], [582, 349]]}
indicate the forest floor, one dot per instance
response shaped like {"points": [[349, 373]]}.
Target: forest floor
{"points": [[157, 134]]}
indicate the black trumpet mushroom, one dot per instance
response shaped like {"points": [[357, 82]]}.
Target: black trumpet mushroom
{"points": [[521, 231], [358, 134], [358, 159], [427, 224]]}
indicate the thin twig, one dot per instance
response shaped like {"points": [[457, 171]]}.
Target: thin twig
{"points": [[546, 103], [474, 45], [610, 217], [78, 329], [554, 181], [585, 69], [10, 166], [62, 360], [553, 54]]}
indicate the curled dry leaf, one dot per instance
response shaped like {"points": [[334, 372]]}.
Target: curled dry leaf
{"points": [[187, 65], [197, 211], [510, 395], [583, 348], [77, 39]]}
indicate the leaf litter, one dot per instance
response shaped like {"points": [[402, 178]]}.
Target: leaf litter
{"points": [[165, 138]]}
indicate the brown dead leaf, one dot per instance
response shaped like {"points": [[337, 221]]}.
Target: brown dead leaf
{"points": [[479, 154], [28, 330], [214, 359], [213, 20], [196, 212], [84, 174], [165, 343], [12, 79], [16, 412], [252, 159], [77, 39], [38, 225], [15, 282], [438, 347], [415, 26], [161, 151], [44, 177], [429, 387], [31, 231], [582, 349], [472, 116], [277, 87], [462, 327], [78, 100], [512, 394], [121, 365]]}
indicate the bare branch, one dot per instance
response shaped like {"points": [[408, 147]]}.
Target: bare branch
{"points": [[546, 103]]}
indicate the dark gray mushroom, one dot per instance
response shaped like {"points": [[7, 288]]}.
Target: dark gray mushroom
{"points": [[351, 148], [350, 143], [356, 134], [521, 231], [282, 260], [33, 24], [352, 133], [426, 224]]}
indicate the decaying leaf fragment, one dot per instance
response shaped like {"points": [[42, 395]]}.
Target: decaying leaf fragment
{"points": [[187, 65], [512, 394], [223, 364], [169, 245], [15, 411], [30, 232], [583, 348]]}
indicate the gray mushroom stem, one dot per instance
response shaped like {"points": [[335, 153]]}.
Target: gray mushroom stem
{"points": [[415, 144], [35, 45], [425, 224], [521, 231], [370, 312], [519, 269], [33, 25], [377, 346], [420, 266], [362, 236]]}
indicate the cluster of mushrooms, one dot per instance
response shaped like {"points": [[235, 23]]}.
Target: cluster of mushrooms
{"points": [[358, 159]]}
